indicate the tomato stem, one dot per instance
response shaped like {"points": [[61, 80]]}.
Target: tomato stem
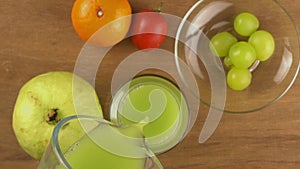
{"points": [[159, 7]]}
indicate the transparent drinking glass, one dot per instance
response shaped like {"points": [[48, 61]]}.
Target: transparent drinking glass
{"points": [[98, 144]]}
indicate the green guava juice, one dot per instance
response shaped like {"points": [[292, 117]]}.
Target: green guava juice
{"points": [[157, 106], [108, 147]]}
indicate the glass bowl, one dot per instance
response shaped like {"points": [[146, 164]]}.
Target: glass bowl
{"points": [[271, 79]]}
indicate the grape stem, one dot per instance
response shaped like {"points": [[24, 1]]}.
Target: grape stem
{"points": [[254, 66]]}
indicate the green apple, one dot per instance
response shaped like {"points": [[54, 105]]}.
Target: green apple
{"points": [[46, 99]]}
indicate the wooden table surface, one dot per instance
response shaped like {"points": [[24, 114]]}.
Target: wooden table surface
{"points": [[37, 36]]}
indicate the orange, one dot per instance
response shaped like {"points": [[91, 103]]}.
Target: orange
{"points": [[105, 22]]}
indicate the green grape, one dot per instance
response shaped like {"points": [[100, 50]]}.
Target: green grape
{"points": [[239, 79], [221, 42], [227, 62], [242, 55], [245, 24], [263, 43]]}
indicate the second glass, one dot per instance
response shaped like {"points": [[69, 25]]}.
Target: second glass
{"points": [[101, 145]]}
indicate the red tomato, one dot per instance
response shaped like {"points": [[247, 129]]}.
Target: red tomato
{"points": [[149, 29]]}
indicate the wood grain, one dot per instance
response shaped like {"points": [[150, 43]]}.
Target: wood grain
{"points": [[37, 37]]}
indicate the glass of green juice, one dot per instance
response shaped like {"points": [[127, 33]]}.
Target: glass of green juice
{"points": [[157, 106], [102, 145]]}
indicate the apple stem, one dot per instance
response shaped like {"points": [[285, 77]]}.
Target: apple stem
{"points": [[51, 116]]}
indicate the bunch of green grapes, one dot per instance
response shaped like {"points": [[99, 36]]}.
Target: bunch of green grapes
{"points": [[239, 56]]}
